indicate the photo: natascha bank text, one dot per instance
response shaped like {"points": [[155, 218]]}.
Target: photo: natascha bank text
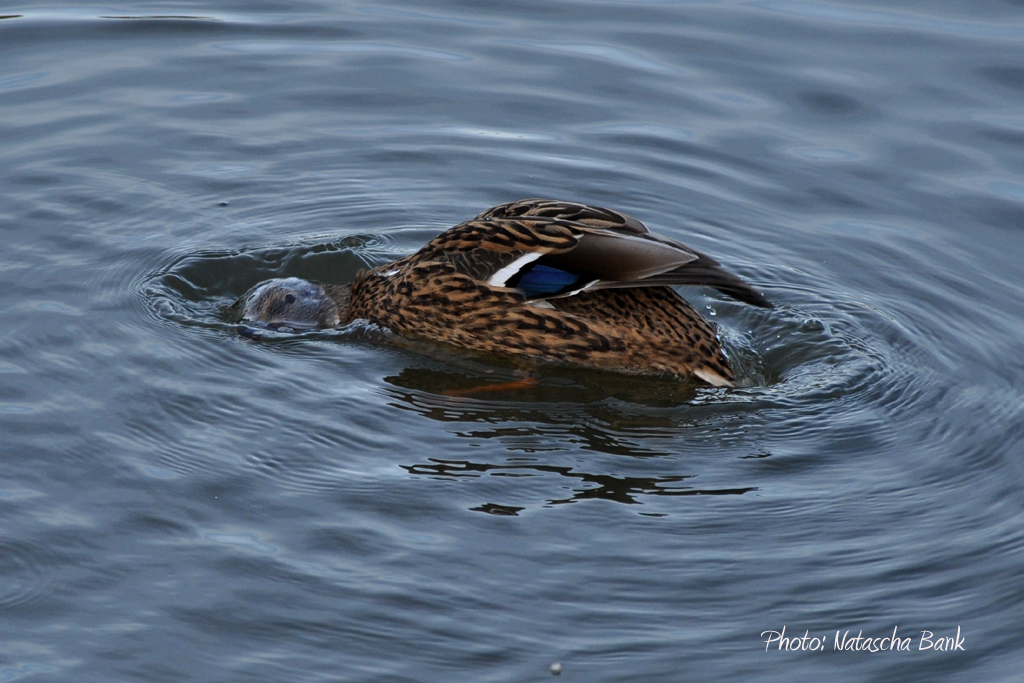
{"points": [[845, 641]]}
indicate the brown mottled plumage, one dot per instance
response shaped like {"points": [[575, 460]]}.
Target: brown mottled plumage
{"points": [[536, 278]]}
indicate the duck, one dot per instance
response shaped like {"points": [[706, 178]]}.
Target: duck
{"points": [[535, 279]]}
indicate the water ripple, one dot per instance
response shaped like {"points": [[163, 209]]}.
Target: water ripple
{"points": [[25, 587]]}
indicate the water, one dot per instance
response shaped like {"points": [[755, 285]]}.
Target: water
{"points": [[182, 503]]}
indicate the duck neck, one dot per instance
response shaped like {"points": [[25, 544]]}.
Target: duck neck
{"points": [[341, 295]]}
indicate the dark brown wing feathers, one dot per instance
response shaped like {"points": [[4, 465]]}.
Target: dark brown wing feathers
{"points": [[617, 250]]}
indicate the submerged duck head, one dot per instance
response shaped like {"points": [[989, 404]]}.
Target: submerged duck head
{"points": [[294, 303]]}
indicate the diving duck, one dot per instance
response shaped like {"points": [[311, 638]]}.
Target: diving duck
{"points": [[535, 278]]}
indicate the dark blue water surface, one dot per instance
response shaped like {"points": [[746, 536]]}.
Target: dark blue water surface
{"points": [[182, 503]]}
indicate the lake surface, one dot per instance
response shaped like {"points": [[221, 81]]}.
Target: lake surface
{"points": [[182, 503]]}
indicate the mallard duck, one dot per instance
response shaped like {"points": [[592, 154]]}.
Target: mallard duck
{"points": [[534, 278]]}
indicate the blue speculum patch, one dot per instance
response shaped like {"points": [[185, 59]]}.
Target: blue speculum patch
{"points": [[540, 281]]}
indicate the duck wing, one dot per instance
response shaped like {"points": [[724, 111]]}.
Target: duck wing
{"points": [[591, 216], [550, 249], [700, 270]]}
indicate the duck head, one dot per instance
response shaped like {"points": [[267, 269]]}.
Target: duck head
{"points": [[294, 303]]}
